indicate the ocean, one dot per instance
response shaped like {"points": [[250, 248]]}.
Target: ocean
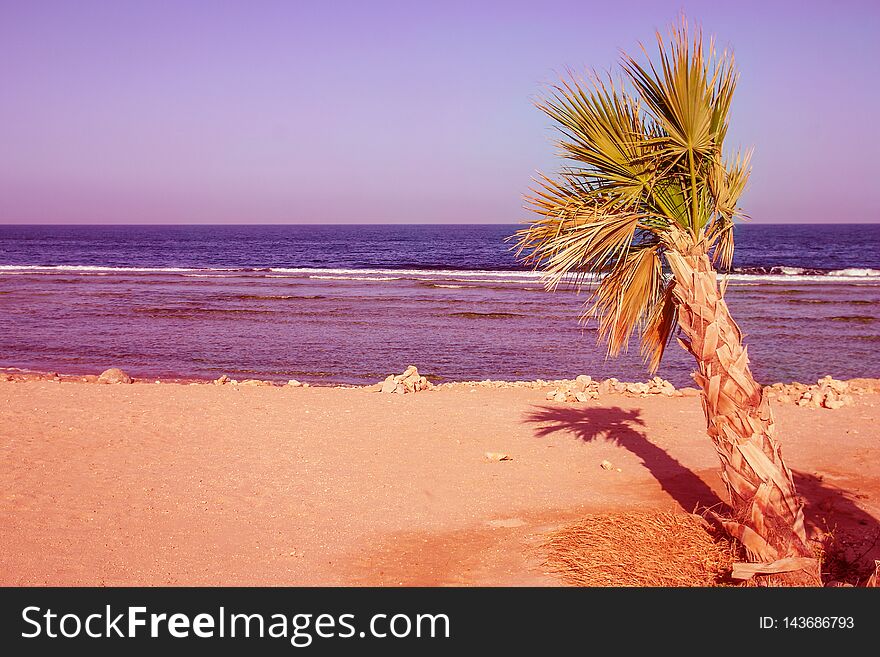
{"points": [[350, 304]]}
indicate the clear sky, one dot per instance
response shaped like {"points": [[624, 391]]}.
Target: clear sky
{"points": [[174, 111]]}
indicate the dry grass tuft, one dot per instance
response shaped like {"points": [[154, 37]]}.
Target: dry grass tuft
{"points": [[640, 549]]}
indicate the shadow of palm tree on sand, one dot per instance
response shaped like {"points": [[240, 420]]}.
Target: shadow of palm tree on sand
{"points": [[624, 427]]}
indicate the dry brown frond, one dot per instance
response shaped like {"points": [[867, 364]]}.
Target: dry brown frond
{"points": [[640, 549], [625, 297], [658, 329]]}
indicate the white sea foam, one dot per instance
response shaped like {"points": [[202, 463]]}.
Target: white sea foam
{"points": [[447, 276], [750, 279], [856, 273]]}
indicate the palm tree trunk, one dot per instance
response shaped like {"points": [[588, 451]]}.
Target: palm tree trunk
{"points": [[768, 515]]}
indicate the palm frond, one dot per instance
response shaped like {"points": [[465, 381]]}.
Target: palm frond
{"points": [[728, 181], [690, 95], [689, 98], [603, 133], [661, 322], [576, 242], [625, 295]]}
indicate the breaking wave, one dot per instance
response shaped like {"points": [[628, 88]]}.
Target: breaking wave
{"points": [[742, 275]]}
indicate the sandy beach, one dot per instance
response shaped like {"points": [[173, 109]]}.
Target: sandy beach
{"points": [[177, 484]]}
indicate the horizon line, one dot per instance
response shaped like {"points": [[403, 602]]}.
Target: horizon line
{"points": [[310, 224]]}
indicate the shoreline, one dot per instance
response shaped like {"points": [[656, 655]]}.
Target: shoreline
{"points": [[827, 393], [26, 374]]}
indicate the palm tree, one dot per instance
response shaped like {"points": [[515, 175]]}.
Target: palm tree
{"points": [[642, 213]]}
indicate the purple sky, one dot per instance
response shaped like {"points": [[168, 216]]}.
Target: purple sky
{"points": [[392, 112]]}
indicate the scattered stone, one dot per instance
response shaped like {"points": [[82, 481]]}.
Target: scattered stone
{"points": [[826, 393], [409, 381], [584, 388], [114, 375]]}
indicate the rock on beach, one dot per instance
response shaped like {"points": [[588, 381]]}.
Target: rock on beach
{"points": [[408, 382], [827, 392], [114, 375], [584, 388]]}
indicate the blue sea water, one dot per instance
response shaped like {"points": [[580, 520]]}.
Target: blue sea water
{"points": [[822, 247], [350, 304]]}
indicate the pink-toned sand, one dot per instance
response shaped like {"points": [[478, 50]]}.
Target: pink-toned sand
{"points": [[149, 484]]}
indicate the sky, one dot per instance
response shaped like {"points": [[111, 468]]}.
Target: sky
{"points": [[394, 112]]}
